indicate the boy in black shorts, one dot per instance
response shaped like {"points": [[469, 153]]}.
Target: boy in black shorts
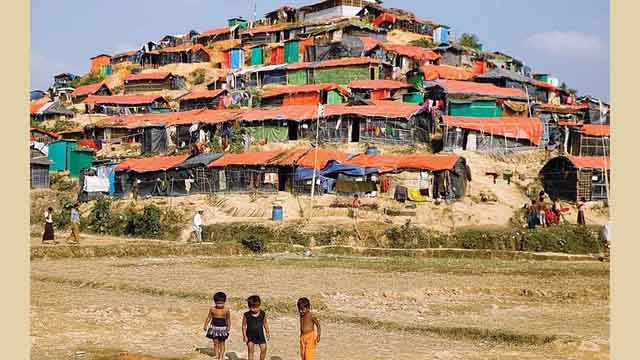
{"points": [[254, 328]]}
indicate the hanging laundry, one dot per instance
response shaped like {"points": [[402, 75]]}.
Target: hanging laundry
{"points": [[271, 178], [414, 195], [400, 194]]}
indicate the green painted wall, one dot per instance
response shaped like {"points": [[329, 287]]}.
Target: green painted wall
{"points": [[59, 153], [257, 56], [334, 97], [478, 108], [414, 98], [78, 160], [297, 77], [291, 52], [341, 75]]}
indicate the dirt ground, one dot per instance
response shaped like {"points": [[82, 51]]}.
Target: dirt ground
{"points": [[370, 308]]}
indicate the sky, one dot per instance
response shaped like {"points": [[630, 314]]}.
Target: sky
{"points": [[568, 39]]}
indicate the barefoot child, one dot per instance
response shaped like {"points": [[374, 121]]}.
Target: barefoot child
{"points": [[309, 330], [218, 324], [254, 328]]}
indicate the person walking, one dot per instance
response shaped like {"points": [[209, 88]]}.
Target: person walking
{"points": [[581, 207], [196, 226], [48, 236], [74, 237]]}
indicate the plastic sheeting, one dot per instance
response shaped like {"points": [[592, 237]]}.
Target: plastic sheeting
{"points": [[334, 168]]}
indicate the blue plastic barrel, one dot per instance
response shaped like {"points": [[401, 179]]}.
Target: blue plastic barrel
{"points": [[276, 213]]}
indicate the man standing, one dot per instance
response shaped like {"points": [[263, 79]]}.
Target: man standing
{"points": [[196, 226], [74, 237]]}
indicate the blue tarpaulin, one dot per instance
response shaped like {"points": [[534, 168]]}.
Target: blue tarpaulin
{"points": [[334, 168]]}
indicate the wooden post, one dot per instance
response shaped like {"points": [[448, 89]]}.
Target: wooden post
{"points": [[315, 158]]}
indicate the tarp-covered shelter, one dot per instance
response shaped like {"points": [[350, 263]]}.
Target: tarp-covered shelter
{"points": [[81, 92], [43, 136], [193, 176], [312, 94], [248, 172], [378, 89], [575, 177], [96, 181], [153, 175], [491, 135], [338, 71], [590, 140], [152, 81], [119, 104], [203, 99], [280, 123], [39, 169]]}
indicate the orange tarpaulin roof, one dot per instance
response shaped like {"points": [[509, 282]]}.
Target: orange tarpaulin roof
{"points": [[156, 163], [379, 84], [205, 116], [293, 112], [468, 87], [202, 94], [386, 109], [369, 43], [334, 63], [511, 127], [595, 130], [388, 163], [590, 162], [216, 31], [415, 52], [248, 158], [434, 72], [87, 89], [123, 99]]}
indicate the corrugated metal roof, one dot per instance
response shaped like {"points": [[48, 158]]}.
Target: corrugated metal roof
{"points": [[595, 130], [156, 163], [199, 160], [415, 52], [202, 94], [248, 158], [88, 89], [511, 127]]}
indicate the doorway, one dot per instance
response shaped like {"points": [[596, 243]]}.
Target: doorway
{"points": [[355, 130], [293, 130]]}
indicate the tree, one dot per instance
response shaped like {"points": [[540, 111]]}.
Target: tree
{"points": [[470, 40]]}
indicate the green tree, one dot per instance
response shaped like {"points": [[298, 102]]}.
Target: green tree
{"points": [[424, 42], [470, 40]]}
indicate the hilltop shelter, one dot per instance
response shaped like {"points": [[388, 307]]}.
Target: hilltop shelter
{"points": [[118, 104], [313, 94], [97, 180], [339, 71], [378, 89], [590, 140], [43, 136], [212, 36], [248, 172], [125, 57], [193, 176], [328, 9], [101, 64], [404, 57], [278, 124], [202, 99], [491, 135], [47, 111], [574, 177], [153, 175], [38, 169], [82, 92], [153, 81], [395, 19], [261, 75]]}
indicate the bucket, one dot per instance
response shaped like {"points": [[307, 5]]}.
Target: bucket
{"points": [[276, 213]]}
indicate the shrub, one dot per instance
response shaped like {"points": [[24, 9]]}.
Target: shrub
{"points": [[424, 42], [254, 243], [100, 218], [198, 76], [90, 78]]}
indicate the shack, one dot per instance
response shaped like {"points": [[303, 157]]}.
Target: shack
{"points": [[101, 64], [379, 89], [177, 40], [247, 172], [39, 169], [386, 122], [590, 140], [203, 99], [457, 55], [430, 72], [327, 9], [153, 81], [313, 94], [575, 177], [81, 92], [491, 135], [193, 176], [404, 57], [278, 124], [397, 19], [52, 110], [152, 175], [338, 71], [118, 104], [124, 57], [212, 36], [65, 155], [43, 136]]}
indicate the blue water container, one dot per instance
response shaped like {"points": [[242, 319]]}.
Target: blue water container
{"points": [[276, 213]]}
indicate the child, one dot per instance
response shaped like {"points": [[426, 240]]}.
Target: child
{"points": [[48, 236], [308, 335], [533, 215], [254, 328], [218, 324], [355, 206]]}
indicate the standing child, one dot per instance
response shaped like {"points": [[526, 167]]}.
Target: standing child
{"points": [[218, 324], [48, 235], [355, 206], [309, 330], [254, 328]]}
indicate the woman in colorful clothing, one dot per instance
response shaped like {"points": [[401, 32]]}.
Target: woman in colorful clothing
{"points": [[581, 207]]}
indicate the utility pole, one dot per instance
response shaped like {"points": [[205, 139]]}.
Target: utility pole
{"points": [[315, 156]]}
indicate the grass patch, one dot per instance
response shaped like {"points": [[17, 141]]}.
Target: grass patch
{"points": [[281, 305], [455, 333]]}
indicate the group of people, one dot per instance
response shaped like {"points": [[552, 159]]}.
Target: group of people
{"points": [[540, 214], [255, 327], [48, 237]]}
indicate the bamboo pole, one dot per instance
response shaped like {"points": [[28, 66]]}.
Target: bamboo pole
{"points": [[315, 159]]}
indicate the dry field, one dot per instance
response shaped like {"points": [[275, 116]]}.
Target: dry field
{"points": [[370, 308]]}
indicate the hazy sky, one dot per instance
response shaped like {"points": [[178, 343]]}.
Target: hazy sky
{"points": [[569, 39]]}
